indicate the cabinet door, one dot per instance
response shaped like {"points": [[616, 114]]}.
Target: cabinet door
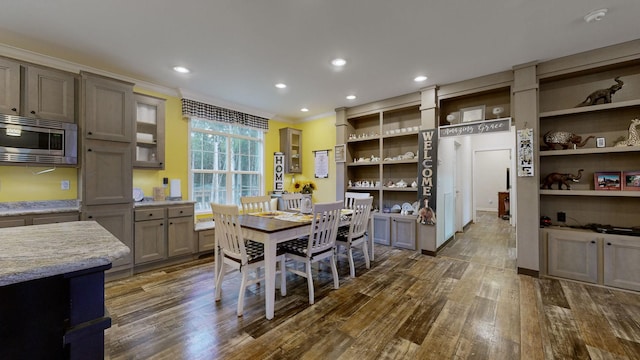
{"points": [[9, 87], [381, 229], [50, 94], [118, 219], [150, 241], [206, 240], [57, 218], [291, 146], [403, 232], [180, 236], [108, 109], [150, 116], [573, 255], [622, 262], [107, 173]]}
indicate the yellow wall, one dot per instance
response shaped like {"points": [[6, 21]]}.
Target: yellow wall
{"points": [[20, 183]]}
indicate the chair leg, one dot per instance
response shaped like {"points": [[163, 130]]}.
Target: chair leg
{"points": [[243, 284], [334, 270], [352, 267], [365, 250], [310, 283], [219, 283], [283, 277]]}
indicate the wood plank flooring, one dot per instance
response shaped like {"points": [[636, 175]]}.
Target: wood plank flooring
{"points": [[467, 303]]}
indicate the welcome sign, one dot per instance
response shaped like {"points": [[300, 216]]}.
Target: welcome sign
{"points": [[428, 171]]}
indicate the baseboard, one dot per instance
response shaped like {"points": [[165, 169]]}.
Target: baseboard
{"points": [[529, 272], [428, 252]]}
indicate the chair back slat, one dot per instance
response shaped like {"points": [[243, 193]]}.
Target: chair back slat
{"points": [[228, 232], [360, 217], [349, 197], [324, 227], [253, 204], [292, 200]]}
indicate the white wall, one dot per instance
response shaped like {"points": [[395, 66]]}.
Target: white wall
{"points": [[490, 170]]}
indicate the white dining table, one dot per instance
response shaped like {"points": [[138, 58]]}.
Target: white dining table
{"points": [[270, 231]]}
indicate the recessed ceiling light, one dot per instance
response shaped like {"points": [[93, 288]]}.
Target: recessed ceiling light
{"points": [[281, 85], [420, 78], [351, 97], [338, 62], [181, 69], [304, 109], [595, 15]]}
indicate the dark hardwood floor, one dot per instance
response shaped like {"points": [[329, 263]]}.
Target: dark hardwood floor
{"points": [[467, 303]]}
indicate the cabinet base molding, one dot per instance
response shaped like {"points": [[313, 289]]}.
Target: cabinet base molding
{"points": [[528, 272], [429, 252]]}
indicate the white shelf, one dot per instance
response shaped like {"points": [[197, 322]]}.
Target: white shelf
{"points": [[406, 189], [587, 151], [364, 163], [596, 193], [592, 108]]}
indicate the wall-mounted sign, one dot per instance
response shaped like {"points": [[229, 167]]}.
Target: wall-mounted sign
{"points": [[427, 177], [278, 172], [525, 152], [482, 127]]}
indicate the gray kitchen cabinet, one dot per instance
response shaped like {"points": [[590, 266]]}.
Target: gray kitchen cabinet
{"points": [[9, 86], [381, 229], [573, 254], [403, 232], [107, 173], [206, 240], [150, 239], [291, 146], [55, 218], [11, 221], [108, 108], [150, 118], [49, 94], [621, 262], [118, 219], [180, 230]]}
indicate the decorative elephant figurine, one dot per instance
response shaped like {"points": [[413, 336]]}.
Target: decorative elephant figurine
{"points": [[603, 94], [560, 179], [564, 139]]}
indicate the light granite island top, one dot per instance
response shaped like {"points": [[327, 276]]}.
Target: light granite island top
{"points": [[40, 251]]}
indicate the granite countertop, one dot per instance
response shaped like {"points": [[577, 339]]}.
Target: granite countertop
{"points": [[38, 207], [39, 251]]}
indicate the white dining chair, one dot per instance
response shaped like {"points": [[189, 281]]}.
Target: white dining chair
{"points": [[239, 254], [292, 200], [349, 196], [355, 234], [252, 204], [319, 246]]}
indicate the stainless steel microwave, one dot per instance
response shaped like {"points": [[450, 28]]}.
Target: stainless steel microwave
{"points": [[27, 140]]}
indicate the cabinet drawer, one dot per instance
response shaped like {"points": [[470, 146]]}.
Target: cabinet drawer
{"points": [[180, 211], [55, 219], [149, 214]]}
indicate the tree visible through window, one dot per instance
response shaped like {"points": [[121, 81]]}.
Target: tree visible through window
{"points": [[226, 162]]}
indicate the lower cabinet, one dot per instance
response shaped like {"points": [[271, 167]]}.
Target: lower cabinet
{"points": [[23, 220], [611, 260], [163, 232], [118, 219], [395, 230]]}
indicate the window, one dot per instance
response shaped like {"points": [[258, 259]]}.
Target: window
{"points": [[226, 162]]}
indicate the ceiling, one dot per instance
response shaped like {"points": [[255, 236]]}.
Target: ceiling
{"points": [[238, 50]]}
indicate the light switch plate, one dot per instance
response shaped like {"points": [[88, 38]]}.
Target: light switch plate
{"points": [[64, 185]]}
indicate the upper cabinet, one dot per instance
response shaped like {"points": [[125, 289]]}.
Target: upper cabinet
{"points": [[9, 87], [150, 118], [291, 146], [108, 109], [37, 92]]}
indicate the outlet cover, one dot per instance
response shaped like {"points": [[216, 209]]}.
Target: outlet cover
{"points": [[64, 185]]}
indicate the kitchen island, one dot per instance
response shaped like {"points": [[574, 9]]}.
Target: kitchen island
{"points": [[52, 290]]}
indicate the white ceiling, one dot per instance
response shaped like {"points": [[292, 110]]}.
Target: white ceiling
{"points": [[238, 49]]}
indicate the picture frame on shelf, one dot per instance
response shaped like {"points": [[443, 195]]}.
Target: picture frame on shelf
{"points": [[600, 142], [607, 180], [474, 113], [341, 153], [631, 180]]}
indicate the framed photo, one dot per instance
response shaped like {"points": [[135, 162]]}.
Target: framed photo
{"points": [[475, 113], [610, 180], [600, 142], [631, 180], [341, 153]]}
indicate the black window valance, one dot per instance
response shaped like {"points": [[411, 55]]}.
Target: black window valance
{"points": [[211, 112]]}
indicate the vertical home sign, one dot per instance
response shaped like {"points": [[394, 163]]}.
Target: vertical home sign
{"points": [[427, 176], [278, 172]]}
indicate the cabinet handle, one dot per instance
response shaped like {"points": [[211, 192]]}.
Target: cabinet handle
{"points": [[90, 217], [160, 164], [89, 132], [181, 211], [593, 241], [161, 224], [170, 223], [609, 243], [14, 109], [89, 150], [33, 112]]}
